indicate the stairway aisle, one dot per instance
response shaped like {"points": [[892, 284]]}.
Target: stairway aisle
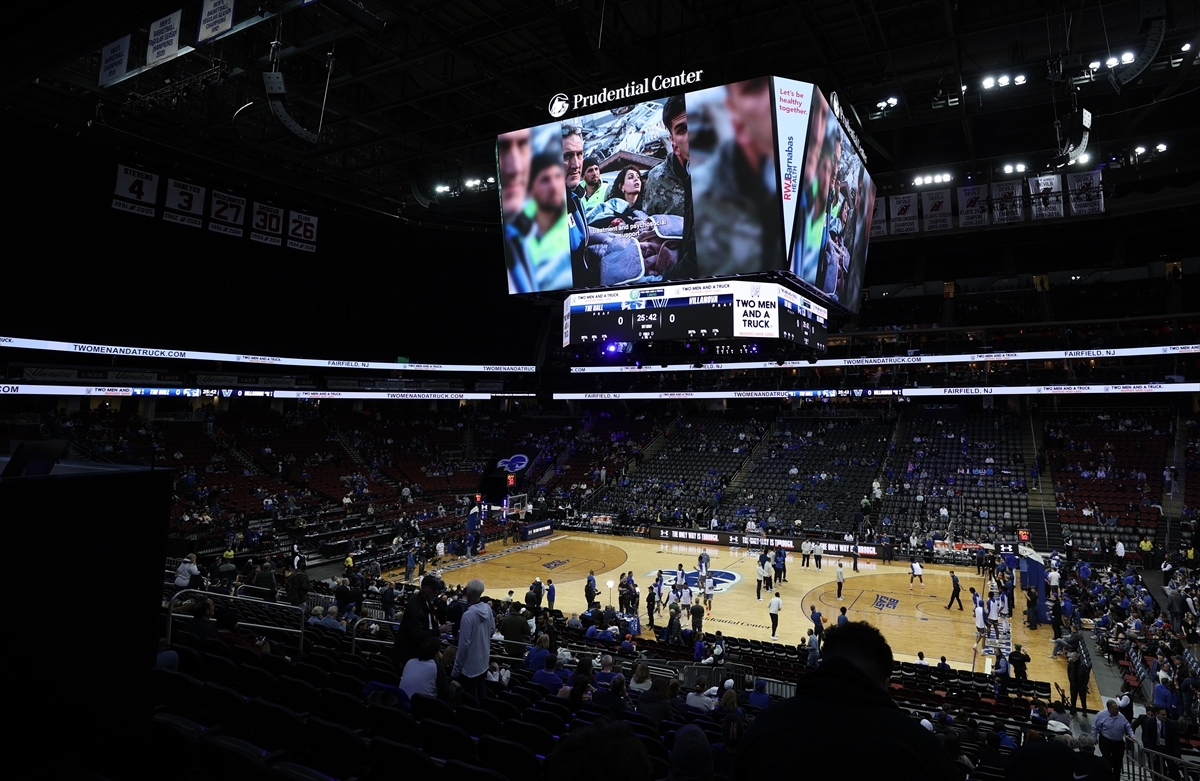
{"points": [[1044, 527]]}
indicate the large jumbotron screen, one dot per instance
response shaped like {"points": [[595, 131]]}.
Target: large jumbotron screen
{"points": [[715, 182]]}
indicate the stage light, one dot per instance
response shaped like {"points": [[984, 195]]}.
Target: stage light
{"points": [[928, 180], [1127, 57], [964, 87], [1020, 167], [1141, 150], [892, 102], [472, 183], [1008, 169], [946, 177], [917, 180], [881, 105], [1161, 147], [491, 180], [1084, 158], [989, 82], [1002, 81], [441, 188], [1019, 80], [938, 178], [1111, 62], [1094, 65], [1187, 47]]}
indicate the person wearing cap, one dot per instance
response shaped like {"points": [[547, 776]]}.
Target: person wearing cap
{"points": [[590, 190], [1111, 730]]}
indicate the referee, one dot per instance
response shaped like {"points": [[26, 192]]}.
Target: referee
{"points": [[1111, 729]]}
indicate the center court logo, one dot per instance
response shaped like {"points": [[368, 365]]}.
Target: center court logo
{"points": [[723, 580], [559, 105]]}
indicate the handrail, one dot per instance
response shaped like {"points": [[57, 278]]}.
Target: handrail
{"points": [[223, 599]]}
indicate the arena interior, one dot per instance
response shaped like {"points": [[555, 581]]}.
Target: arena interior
{"points": [[320, 492]]}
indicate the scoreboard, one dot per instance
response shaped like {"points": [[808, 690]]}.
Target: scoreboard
{"points": [[708, 310]]}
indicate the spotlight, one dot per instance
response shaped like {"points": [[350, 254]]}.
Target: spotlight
{"points": [[1141, 150], [946, 177], [989, 82], [892, 102], [1161, 147], [964, 87], [441, 188], [1019, 80], [881, 105], [491, 180], [472, 183], [928, 180], [1008, 169], [917, 181], [1002, 81], [1111, 62], [938, 178], [1127, 57], [1094, 65], [1187, 47], [1084, 158], [1020, 167]]}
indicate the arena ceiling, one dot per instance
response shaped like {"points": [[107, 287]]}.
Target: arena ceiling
{"points": [[418, 89]]}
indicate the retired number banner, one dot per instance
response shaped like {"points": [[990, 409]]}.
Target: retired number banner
{"points": [[936, 205], [184, 204], [266, 224], [1006, 202], [227, 215], [302, 232], [903, 213], [136, 191], [1087, 195], [1045, 197]]}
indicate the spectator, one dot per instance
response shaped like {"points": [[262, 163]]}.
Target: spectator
{"points": [[423, 675], [474, 646], [655, 704], [641, 679], [697, 699]]}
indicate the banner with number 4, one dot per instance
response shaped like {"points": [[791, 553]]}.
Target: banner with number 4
{"points": [[136, 191], [302, 231]]}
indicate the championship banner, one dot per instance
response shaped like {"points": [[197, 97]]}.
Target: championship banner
{"points": [[114, 59], [1087, 196], [936, 206], [1006, 202], [972, 206], [879, 225], [302, 231], [902, 213], [227, 214], [792, 101], [266, 224], [184, 204], [216, 17], [136, 191], [164, 40], [1045, 197]]}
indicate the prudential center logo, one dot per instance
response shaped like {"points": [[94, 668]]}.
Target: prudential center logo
{"points": [[559, 105]]}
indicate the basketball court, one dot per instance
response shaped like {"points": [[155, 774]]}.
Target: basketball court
{"points": [[913, 620]]}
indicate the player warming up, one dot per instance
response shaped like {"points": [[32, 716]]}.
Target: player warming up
{"points": [[915, 573]]}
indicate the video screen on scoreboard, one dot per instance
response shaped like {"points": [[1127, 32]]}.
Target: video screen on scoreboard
{"points": [[669, 189], [714, 182], [832, 225]]}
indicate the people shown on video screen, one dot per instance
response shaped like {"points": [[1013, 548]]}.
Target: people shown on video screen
{"points": [[623, 206], [585, 271], [667, 184], [532, 196], [591, 191], [734, 191]]}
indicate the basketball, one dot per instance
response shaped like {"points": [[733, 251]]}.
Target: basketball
{"points": [[824, 620]]}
